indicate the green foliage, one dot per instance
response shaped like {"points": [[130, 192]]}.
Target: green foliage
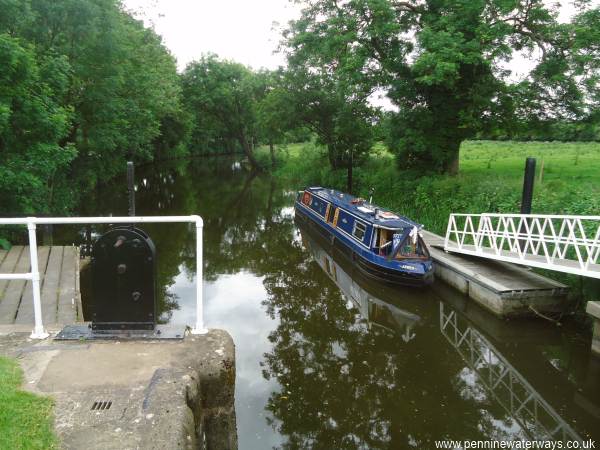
{"points": [[326, 95], [25, 418], [442, 64], [83, 88], [570, 180], [222, 97], [4, 244], [32, 122]]}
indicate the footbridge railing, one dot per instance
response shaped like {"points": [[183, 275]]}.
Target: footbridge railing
{"points": [[563, 243], [34, 275]]}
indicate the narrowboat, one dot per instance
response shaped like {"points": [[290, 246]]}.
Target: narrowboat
{"points": [[380, 305], [383, 245]]}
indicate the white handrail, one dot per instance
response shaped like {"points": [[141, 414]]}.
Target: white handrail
{"points": [[564, 243], [39, 332]]}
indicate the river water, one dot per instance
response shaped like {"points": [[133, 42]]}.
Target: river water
{"points": [[328, 360]]}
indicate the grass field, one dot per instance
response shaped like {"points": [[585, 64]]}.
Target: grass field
{"points": [[25, 418], [490, 179], [568, 162]]}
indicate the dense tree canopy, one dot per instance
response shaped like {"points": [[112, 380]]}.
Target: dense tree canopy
{"points": [[32, 123], [223, 97], [443, 64], [83, 88]]}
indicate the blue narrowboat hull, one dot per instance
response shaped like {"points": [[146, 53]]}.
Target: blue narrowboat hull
{"points": [[407, 273]]}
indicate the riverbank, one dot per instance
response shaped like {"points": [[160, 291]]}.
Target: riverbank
{"points": [[490, 179], [115, 394]]}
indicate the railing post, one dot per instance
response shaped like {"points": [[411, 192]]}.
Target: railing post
{"points": [[448, 228], [199, 328], [38, 331]]}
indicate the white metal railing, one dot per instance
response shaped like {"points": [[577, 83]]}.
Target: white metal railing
{"points": [[563, 243], [39, 332]]}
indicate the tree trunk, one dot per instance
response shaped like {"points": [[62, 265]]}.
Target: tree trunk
{"points": [[336, 156], [451, 165], [272, 150], [247, 147]]}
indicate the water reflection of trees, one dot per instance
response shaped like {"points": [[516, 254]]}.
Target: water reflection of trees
{"points": [[345, 386], [342, 385]]}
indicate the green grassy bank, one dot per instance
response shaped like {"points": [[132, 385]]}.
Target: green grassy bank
{"points": [[25, 418], [490, 180]]}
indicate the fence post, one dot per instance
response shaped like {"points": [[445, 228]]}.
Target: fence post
{"points": [[38, 331], [199, 328]]}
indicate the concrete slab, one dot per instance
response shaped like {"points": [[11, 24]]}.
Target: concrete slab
{"points": [[134, 395], [593, 309], [504, 289]]}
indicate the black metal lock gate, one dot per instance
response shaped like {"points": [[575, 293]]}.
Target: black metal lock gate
{"points": [[124, 280]]}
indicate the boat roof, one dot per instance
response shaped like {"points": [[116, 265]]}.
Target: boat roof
{"points": [[393, 221]]}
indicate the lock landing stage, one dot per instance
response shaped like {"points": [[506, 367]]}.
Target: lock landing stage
{"points": [[59, 272]]}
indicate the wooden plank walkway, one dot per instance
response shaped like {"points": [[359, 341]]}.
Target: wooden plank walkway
{"points": [[59, 286], [503, 288]]}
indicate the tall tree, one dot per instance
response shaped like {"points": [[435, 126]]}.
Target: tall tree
{"points": [[274, 112], [83, 87], [335, 111], [32, 124], [442, 64], [223, 97]]}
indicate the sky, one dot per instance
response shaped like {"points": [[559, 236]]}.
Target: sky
{"points": [[246, 31], [242, 30]]}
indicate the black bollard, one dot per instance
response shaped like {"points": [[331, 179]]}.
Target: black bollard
{"points": [[528, 180], [527, 197], [131, 188]]}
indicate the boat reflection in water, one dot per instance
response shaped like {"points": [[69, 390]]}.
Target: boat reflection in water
{"points": [[375, 305], [485, 374]]}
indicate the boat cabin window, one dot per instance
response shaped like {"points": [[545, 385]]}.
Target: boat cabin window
{"points": [[306, 198], [329, 213], [359, 230], [383, 245], [408, 249]]}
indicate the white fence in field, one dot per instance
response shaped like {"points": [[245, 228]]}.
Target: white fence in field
{"points": [[563, 243]]}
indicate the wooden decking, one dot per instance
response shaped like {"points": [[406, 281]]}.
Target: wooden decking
{"points": [[59, 273]]}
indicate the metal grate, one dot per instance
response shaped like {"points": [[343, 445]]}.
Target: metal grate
{"points": [[102, 405]]}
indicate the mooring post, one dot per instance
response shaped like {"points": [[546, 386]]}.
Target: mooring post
{"points": [[131, 187], [527, 197], [528, 181]]}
